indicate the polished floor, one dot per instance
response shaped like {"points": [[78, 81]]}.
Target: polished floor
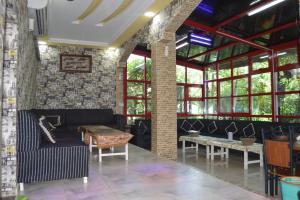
{"points": [[230, 170], [143, 177]]}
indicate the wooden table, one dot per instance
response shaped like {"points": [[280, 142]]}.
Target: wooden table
{"points": [[104, 137]]}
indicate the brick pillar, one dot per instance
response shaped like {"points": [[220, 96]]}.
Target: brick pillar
{"points": [[119, 87], [164, 112]]}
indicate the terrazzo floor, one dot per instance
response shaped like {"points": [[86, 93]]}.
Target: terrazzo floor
{"points": [[142, 177]]}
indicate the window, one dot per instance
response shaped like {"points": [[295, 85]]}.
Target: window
{"points": [[288, 80], [224, 70], [211, 73], [180, 74], [211, 89], [240, 86], [262, 105], [289, 104], [225, 88], [195, 92], [194, 76], [288, 56], [240, 67], [261, 83], [225, 105], [260, 62], [211, 106], [241, 105], [195, 107], [135, 67]]}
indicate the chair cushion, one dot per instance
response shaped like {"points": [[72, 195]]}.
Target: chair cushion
{"points": [[47, 129]]}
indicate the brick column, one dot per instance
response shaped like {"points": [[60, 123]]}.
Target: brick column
{"points": [[119, 87], [164, 100]]}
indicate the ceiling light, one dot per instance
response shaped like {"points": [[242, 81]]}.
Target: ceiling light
{"points": [[254, 2], [149, 14], [182, 45], [42, 43], [181, 39], [76, 22], [264, 7], [100, 24], [282, 53], [263, 57]]}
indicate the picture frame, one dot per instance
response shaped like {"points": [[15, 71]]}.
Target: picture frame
{"points": [[71, 63]]}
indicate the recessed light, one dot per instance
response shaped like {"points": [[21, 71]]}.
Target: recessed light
{"points": [[100, 24], [149, 14], [264, 7], [76, 22]]}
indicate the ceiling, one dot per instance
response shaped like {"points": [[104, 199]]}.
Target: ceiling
{"points": [[101, 23], [212, 13]]}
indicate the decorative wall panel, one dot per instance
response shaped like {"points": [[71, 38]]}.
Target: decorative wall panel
{"points": [[76, 90]]}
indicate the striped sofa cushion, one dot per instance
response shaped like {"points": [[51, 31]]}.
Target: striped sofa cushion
{"points": [[28, 131]]}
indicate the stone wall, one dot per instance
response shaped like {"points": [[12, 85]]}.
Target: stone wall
{"points": [[76, 90], [18, 73]]}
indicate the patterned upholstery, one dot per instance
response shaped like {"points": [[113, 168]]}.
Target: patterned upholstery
{"points": [[37, 161]]}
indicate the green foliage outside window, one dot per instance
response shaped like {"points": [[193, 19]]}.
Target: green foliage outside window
{"points": [[262, 105], [135, 89], [288, 56], [224, 70], [260, 62], [180, 74], [261, 83], [211, 89], [240, 86], [135, 67], [211, 73], [289, 80], [135, 107], [225, 88], [289, 104], [195, 92]]}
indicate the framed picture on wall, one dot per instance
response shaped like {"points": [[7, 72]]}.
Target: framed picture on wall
{"points": [[75, 63]]}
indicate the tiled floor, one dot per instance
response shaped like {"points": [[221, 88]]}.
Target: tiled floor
{"points": [[143, 177]]}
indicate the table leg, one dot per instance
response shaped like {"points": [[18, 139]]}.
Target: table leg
{"points": [[100, 155], [222, 153], [126, 151], [212, 152], [82, 135], [197, 148], [261, 159], [91, 144], [207, 152], [183, 146], [227, 152], [245, 159]]}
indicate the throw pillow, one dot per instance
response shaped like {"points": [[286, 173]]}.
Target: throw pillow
{"points": [[47, 130]]}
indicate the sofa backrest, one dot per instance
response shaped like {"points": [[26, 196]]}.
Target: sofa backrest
{"points": [[79, 116], [89, 116], [28, 131]]}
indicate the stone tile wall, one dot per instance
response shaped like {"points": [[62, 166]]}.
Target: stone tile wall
{"points": [[76, 90]]}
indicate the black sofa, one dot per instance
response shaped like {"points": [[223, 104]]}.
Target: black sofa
{"points": [[71, 119], [40, 160], [142, 129]]}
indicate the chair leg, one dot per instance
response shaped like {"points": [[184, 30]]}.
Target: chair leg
{"points": [[21, 185], [271, 185], [267, 183]]}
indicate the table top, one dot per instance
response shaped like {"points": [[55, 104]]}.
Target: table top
{"points": [[103, 130]]}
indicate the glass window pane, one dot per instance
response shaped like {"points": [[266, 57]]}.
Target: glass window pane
{"points": [[180, 92], [135, 107], [180, 74], [241, 105], [180, 106], [240, 67], [149, 105], [225, 88], [135, 67], [213, 56], [225, 53], [194, 76], [195, 92], [148, 69], [224, 70], [289, 104], [289, 80], [240, 86], [261, 83], [130, 120], [211, 73], [195, 107], [225, 105], [211, 106], [288, 56], [262, 105], [135, 89], [149, 91], [211, 89], [260, 61]]}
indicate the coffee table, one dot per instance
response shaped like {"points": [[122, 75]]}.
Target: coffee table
{"points": [[104, 137]]}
